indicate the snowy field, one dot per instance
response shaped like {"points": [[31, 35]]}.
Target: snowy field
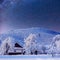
{"points": [[32, 59], [42, 57]]}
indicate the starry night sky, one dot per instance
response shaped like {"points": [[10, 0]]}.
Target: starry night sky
{"points": [[30, 13]]}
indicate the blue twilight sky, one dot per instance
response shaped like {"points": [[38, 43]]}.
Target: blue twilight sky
{"points": [[16, 14]]}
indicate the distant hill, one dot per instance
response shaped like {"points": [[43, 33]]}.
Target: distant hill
{"points": [[44, 35]]}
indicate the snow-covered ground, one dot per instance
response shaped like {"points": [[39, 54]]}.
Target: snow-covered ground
{"points": [[32, 59], [42, 57]]}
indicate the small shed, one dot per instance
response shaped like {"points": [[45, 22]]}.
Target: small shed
{"points": [[18, 50]]}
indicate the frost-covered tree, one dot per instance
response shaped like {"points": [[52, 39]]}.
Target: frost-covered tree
{"points": [[55, 49], [30, 44], [55, 46], [7, 44]]}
